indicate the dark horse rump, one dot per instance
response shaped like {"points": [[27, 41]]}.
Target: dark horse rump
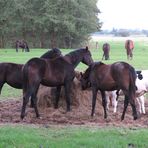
{"points": [[22, 44], [103, 77], [11, 73], [54, 73], [106, 50]]}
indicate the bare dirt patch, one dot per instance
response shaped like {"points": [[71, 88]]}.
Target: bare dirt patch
{"points": [[80, 115]]}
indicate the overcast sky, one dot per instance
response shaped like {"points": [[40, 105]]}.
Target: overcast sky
{"points": [[127, 14]]}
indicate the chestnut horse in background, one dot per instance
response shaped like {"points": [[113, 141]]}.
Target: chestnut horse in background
{"points": [[129, 46], [108, 77], [106, 50]]}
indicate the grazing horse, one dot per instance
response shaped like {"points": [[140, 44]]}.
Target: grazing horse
{"points": [[11, 73], [22, 44], [53, 73], [106, 50], [129, 46], [116, 76]]}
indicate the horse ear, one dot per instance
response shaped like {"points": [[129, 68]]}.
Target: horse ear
{"points": [[86, 47]]}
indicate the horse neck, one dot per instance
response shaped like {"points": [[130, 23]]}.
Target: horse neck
{"points": [[74, 59]]}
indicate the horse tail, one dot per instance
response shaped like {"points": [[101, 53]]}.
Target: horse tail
{"points": [[132, 85], [26, 89]]}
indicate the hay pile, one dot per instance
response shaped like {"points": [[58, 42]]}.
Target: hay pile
{"points": [[81, 101]]}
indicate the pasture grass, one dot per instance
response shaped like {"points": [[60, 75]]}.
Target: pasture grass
{"points": [[71, 137]]}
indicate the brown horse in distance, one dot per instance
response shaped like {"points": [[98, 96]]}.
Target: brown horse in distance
{"points": [[109, 77], [129, 46], [106, 50], [22, 44]]}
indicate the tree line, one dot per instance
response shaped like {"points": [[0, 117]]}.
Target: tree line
{"points": [[48, 23]]}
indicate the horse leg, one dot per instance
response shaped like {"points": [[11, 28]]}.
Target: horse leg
{"points": [[126, 101], [104, 103], [34, 101], [16, 49], [25, 101], [58, 90], [1, 85], [94, 93], [31, 103], [133, 105], [67, 95], [141, 99]]}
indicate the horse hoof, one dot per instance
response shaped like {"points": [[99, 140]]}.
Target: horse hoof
{"points": [[55, 107], [122, 118], [135, 118], [39, 117], [22, 117]]}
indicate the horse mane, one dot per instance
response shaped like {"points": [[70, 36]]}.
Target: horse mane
{"points": [[75, 52], [88, 70]]}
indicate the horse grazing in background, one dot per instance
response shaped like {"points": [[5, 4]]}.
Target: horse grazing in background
{"points": [[106, 50], [116, 76], [11, 73], [129, 46], [22, 44], [53, 73]]}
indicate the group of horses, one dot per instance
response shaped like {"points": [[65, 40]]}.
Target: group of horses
{"points": [[56, 70], [129, 46]]}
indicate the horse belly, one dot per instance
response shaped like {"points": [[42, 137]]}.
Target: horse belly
{"points": [[52, 83]]}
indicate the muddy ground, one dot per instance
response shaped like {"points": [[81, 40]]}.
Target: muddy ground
{"points": [[10, 113], [81, 101]]}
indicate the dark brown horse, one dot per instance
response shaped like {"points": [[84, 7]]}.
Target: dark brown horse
{"points": [[53, 73], [103, 77], [129, 46], [11, 73], [22, 44], [106, 50]]}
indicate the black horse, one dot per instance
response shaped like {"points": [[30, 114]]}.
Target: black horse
{"points": [[22, 44], [103, 77], [106, 50], [53, 73], [11, 73]]}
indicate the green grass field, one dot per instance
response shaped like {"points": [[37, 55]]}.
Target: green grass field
{"points": [[35, 136]]}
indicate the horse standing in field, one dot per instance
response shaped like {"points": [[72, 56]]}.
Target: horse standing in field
{"points": [[129, 46], [116, 76], [11, 73], [22, 44], [106, 50], [53, 73]]}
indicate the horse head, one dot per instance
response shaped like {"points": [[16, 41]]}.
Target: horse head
{"points": [[84, 79], [87, 58]]}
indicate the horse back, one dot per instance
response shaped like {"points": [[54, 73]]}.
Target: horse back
{"points": [[57, 71], [101, 76]]}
